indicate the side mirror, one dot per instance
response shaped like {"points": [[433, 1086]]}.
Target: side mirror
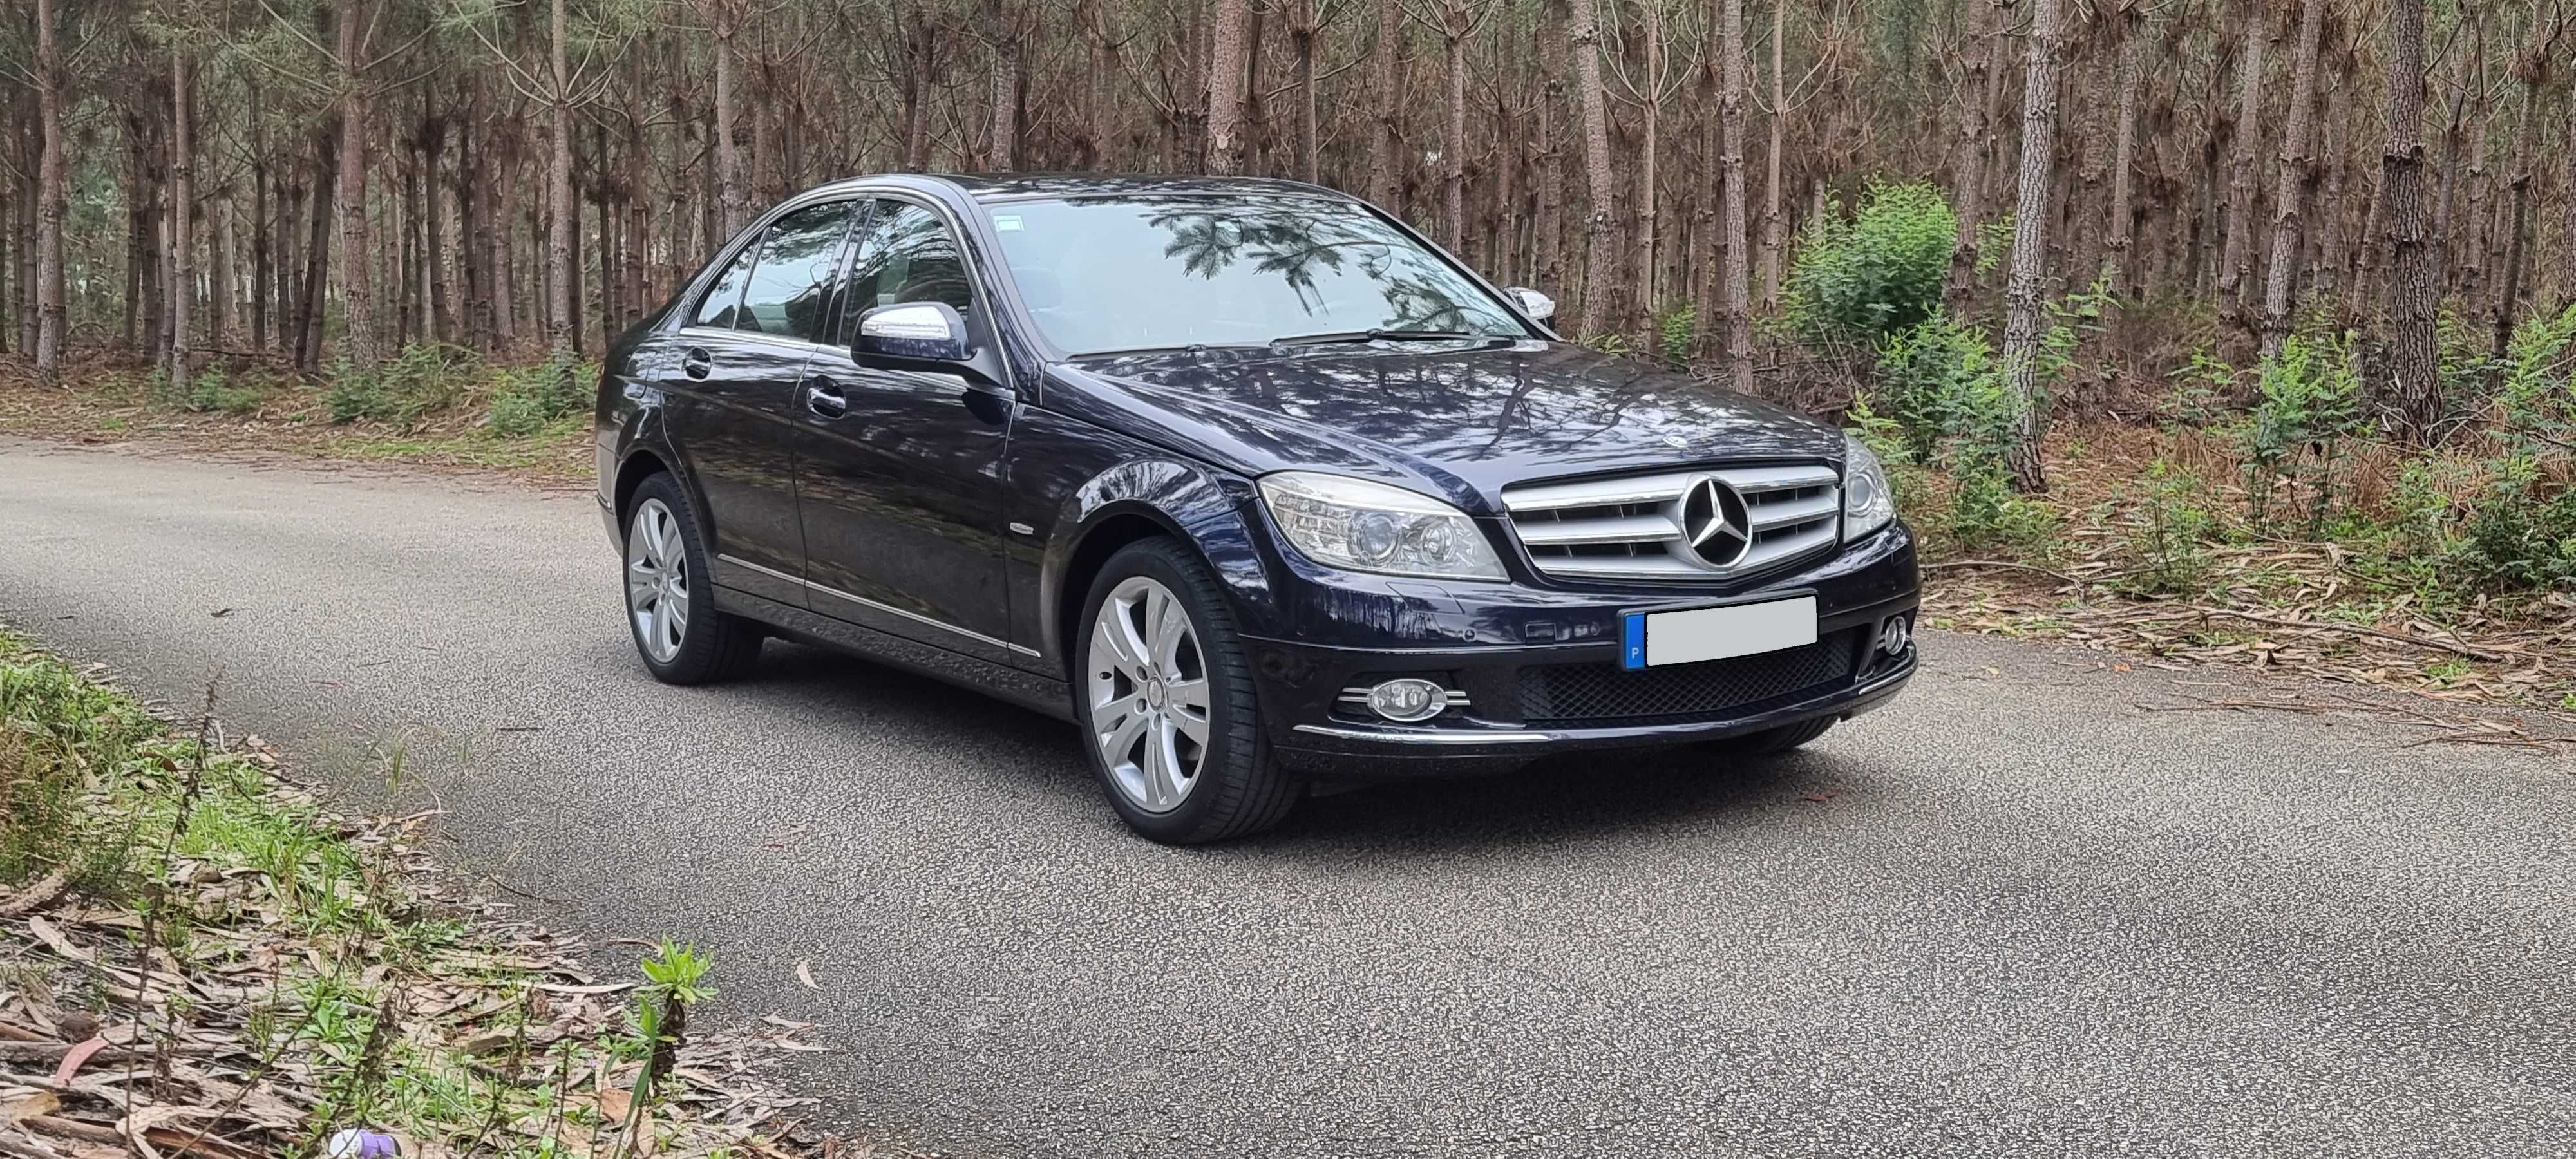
{"points": [[912, 332], [1538, 306]]}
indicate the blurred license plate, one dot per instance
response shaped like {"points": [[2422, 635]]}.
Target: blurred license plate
{"points": [[1688, 637]]}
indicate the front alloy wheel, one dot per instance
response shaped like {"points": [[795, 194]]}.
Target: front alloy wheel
{"points": [[1166, 702], [1148, 695]]}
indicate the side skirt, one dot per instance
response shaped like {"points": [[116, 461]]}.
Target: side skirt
{"points": [[1026, 689]]}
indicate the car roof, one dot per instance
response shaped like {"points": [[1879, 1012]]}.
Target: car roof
{"points": [[990, 187]]}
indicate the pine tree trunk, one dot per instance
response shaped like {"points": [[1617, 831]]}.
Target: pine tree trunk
{"points": [[2415, 385], [442, 302], [2023, 320], [1303, 27], [1599, 256], [2235, 265], [2567, 193], [1005, 155], [1384, 172], [2124, 135], [1453, 143], [357, 249], [223, 305], [309, 311], [1775, 225], [501, 176], [732, 213], [1548, 225], [2508, 304], [183, 177], [559, 204], [1730, 111], [49, 199], [1970, 156], [2298, 176], [638, 204], [1225, 88], [2333, 252]]}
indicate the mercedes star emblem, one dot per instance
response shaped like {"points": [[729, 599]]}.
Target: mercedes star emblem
{"points": [[1714, 520]]}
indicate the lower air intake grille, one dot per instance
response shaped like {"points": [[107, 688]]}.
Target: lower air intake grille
{"points": [[1602, 694]]}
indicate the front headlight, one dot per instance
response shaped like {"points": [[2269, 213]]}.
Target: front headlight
{"points": [[1364, 526], [1868, 502]]}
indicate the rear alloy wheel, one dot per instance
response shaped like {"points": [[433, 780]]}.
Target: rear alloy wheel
{"points": [[670, 605], [1166, 703], [657, 581]]}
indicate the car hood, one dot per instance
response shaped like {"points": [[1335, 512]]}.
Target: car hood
{"points": [[1460, 420]]}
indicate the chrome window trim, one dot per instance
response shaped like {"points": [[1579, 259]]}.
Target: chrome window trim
{"points": [[881, 606]]}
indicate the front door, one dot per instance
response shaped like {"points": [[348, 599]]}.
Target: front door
{"points": [[902, 484]]}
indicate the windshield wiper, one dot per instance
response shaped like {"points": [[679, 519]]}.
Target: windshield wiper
{"points": [[1381, 334]]}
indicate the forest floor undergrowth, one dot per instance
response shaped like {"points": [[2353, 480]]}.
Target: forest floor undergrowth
{"points": [[457, 413], [199, 957], [2140, 546], [2104, 569]]}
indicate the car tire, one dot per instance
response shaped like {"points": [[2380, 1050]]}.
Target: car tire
{"points": [[666, 564], [1133, 688], [1771, 741]]}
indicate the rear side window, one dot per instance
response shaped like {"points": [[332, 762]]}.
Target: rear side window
{"points": [[906, 254], [724, 299], [790, 291]]}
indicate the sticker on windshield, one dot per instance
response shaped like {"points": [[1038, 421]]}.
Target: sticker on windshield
{"points": [[1006, 223]]}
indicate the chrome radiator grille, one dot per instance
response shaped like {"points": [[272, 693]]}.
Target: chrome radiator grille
{"points": [[1679, 526]]}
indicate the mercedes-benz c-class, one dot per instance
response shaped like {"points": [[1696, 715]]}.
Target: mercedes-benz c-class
{"points": [[1245, 479]]}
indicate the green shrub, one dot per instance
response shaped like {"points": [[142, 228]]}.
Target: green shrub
{"points": [[2537, 389], [1676, 329], [2307, 405], [207, 390], [1926, 375], [420, 381], [2516, 536], [531, 399], [2422, 506], [2170, 539], [1876, 274]]}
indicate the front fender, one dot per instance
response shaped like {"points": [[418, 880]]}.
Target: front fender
{"points": [[1101, 491]]}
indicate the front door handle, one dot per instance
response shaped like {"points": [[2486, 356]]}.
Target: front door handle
{"points": [[826, 400], [696, 362]]}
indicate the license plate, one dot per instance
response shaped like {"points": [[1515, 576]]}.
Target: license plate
{"points": [[1697, 634]]}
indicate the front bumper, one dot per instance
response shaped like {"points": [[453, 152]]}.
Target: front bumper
{"points": [[1560, 688]]}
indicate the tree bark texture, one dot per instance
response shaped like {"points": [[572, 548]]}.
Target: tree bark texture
{"points": [[2024, 319]]}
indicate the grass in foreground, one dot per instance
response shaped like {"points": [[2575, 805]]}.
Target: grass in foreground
{"points": [[198, 958]]}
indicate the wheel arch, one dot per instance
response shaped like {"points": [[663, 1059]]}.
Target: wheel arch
{"points": [[1181, 501], [640, 464]]}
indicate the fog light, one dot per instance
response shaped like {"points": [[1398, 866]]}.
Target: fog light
{"points": [[1408, 699], [1895, 635]]}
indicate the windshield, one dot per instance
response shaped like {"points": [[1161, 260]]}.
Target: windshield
{"points": [[1104, 274]]}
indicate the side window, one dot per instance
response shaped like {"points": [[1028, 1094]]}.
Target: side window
{"points": [[724, 298], [906, 254], [790, 292]]}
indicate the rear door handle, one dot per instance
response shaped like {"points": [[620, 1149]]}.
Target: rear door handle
{"points": [[696, 362], [825, 399]]}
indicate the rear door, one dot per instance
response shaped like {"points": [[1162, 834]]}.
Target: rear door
{"points": [[901, 499], [737, 366]]}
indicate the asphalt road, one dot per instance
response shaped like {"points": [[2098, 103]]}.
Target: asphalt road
{"points": [[2014, 914]]}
